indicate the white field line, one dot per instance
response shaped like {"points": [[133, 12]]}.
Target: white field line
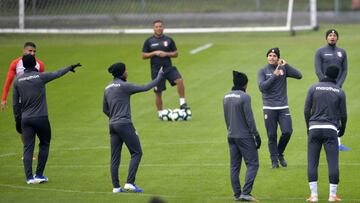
{"points": [[8, 154], [201, 48], [78, 191]]}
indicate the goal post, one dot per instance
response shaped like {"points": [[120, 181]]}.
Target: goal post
{"points": [[135, 16]]}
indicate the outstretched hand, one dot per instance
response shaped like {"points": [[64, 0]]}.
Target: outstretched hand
{"points": [[72, 67]]}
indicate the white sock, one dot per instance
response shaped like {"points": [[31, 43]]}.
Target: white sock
{"points": [[159, 113], [339, 141], [333, 189], [313, 188], [182, 101]]}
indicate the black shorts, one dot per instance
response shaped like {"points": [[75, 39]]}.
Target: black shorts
{"points": [[171, 74]]}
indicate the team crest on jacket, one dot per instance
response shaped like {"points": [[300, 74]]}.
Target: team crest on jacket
{"points": [[339, 54], [166, 44]]}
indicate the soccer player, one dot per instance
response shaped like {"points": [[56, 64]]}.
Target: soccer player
{"points": [[30, 88], [17, 68], [325, 117], [272, 81], [116, 105], [243, 137], [160, 49], [328, 55]]}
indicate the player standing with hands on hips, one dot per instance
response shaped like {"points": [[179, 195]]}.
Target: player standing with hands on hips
{"points": [[29, 88], [243, 137], [329, 55], [325, 117], [160, 49], [116, 106], [272, 81]]}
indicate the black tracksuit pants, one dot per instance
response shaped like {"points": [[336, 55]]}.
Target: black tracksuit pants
{"points": [[317, 138], [124, 133], [243, 148], [39, 126], [272, 119]]}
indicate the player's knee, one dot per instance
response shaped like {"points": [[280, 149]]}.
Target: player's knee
{"points": [[254, 165], [287, 133], [179, 81], [272, 137]]}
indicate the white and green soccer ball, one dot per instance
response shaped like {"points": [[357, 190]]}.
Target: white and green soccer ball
{"points": [[166, 115], [187, 114], [178, 114]]}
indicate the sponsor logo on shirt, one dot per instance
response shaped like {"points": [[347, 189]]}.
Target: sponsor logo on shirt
{"points": [[232, 95], [154, 45], [328, 54], [166, 43], [339, 54], [112, 85], [327, 89], [31, 77]]}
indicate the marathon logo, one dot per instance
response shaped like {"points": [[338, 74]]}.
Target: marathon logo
{"points": [[112, 85], [328, 89], [232, 96], [29, 78]]}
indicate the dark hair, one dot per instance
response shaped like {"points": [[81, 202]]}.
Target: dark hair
{"points": [[29, 44], [158, 21], [239, 79], [29, 61], [117, 69]]}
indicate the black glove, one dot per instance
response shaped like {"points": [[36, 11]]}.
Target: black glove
{"points": [[18, 125], [341, 131], [257, 141], [72, 67]]}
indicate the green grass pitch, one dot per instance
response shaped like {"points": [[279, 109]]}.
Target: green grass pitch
{"points": [[182, 161]]}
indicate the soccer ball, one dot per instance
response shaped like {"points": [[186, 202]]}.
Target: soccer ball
{"points": [[166, 115], [187, 114], [178, 115]]}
